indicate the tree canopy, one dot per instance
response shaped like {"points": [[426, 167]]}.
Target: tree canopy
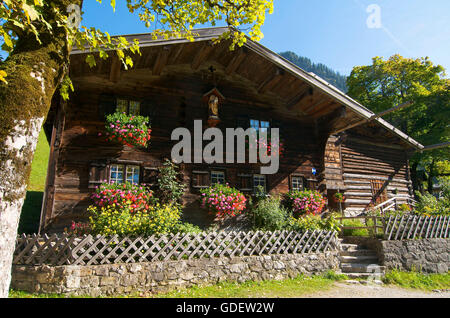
{"points": [[387, 83], [168, 18]]}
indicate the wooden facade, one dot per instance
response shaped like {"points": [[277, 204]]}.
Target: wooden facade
{"points": [[169, 81]]}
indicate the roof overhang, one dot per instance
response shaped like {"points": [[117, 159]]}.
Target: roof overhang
{"points": [[208, 34]]}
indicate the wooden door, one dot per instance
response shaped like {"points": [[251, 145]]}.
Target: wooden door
{"points": [[379, 191]]}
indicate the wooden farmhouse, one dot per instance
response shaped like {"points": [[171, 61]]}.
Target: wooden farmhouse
{"points": [[330, 142]]}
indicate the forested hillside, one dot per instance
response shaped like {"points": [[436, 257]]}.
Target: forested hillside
{"points": [[332, 77]]}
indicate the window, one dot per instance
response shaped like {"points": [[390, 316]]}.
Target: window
{"points": [[124, 173], [297, 183], [217, 177], [200, 179], [259, 180], [259, 125], [128, 107]]}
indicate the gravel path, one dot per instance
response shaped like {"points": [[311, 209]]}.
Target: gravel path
{"points": [[347, 290]]}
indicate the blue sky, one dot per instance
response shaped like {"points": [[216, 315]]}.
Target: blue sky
{"points": [[333, 32]]}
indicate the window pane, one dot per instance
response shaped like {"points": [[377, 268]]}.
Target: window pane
{"points": [[122, 106], [259, 180], [265, 125], [116, 174], [217, 177], [133, 174], [297, 183], [254, 124], [135, 108]]}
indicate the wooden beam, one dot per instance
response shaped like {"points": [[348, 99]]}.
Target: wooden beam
{"points": [[236, 61], [161, 61], [271, 81], [202, 55], [307, 91], [311, 107], [114, 74], [353, 125], [176, 54], [437, 146], [390, 110]]}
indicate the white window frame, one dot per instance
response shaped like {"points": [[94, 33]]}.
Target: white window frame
{"points": [[124, 168], [257, 181], [301, 182], [216, 175]]}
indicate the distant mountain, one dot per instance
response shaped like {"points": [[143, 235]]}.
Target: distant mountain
{"points": [[331, 76]]}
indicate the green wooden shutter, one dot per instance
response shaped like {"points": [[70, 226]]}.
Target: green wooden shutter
{"points": [[106, 106]]}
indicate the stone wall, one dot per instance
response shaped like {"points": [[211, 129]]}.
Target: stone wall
{"points": [[427, 255], [119, 279]]}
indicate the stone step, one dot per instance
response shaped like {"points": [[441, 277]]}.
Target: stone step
{"points": [[361, 268], [361, 252], [359, 259], [352, 247], [376, 276]]}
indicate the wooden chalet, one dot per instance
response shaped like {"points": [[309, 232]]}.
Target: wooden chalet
{"points": [[331, 142]]}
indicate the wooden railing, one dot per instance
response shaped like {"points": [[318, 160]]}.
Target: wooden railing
{"points": [[402, 227], [372, 230], [414, 227], [97, 250], [392, 204]]}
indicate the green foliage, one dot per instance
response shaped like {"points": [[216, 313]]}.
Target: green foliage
{"points": [[313, 222], [184, 227], [170, 188], [385, 84], [48, 19], [111, 220], [429, 205], [417, 280], [332, 275], [354, 232], [269, 214]]}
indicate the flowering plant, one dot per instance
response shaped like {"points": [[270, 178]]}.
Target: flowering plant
{"points": [[339, 197], [223, 200], [305, 202], [129, 130], [136, 197], [112, 220]]}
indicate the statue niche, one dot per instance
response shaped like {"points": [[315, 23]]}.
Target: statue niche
{"points": [[214, 99]]}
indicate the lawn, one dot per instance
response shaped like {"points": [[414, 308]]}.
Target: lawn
{"points": [[416, 280], [29, 219]]}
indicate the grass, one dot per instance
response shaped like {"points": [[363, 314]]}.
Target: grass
{"points": [[288, 288], [417, 280], [31, 210]]}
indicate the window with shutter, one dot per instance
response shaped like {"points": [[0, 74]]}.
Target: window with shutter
{"points": [[200, 179], [107, 106], [297, 183], [98, 174], [150, 176], [245, 182]]}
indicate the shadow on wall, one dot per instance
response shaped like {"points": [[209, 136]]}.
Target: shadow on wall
{"points": [[31, 213]]}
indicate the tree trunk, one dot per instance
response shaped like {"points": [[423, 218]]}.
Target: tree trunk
{"points": [[34, 70]]}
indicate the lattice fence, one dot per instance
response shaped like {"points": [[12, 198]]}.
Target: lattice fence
{"points": [[96, 250], [411, 227]]}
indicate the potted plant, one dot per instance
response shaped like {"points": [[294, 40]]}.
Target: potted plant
{"points": [[129, 130]]}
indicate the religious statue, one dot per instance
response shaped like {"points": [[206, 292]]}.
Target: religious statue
{"points": [[213, 103]]}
